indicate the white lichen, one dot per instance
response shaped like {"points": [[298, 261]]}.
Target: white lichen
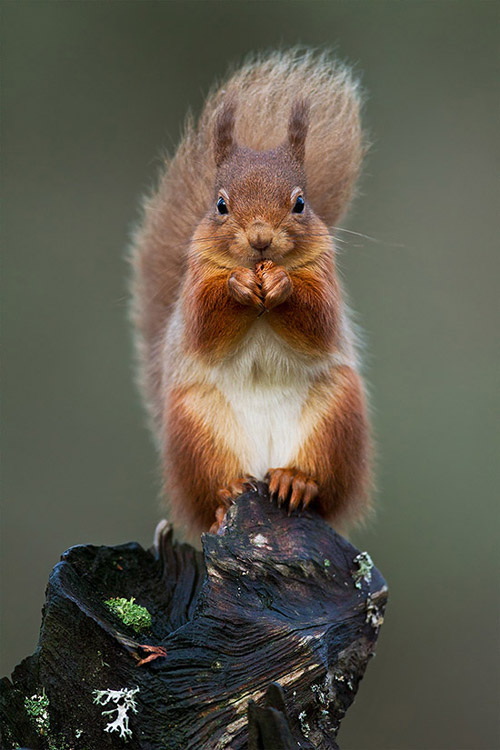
{"points": [[320, 695], [124, 702], [364, 571], [259, 540], [304, 724], [373, 614]]}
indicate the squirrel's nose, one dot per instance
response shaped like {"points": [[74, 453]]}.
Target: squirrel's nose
{"points": [[260, 235]]}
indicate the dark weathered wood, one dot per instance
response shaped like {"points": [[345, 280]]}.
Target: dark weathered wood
{"points": [[269, 725], [273, 599]]}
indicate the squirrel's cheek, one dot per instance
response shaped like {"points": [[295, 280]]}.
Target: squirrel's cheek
{"points": [[284, 242]]}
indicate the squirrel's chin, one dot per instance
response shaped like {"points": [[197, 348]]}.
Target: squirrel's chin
{"points": [[275, 255], [245, 255], [265, 258]]}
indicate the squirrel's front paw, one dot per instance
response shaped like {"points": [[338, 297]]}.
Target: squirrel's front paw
{"points": [[276, 284], [292, 487], [244, 288]]}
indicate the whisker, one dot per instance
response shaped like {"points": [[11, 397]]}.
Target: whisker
{"points": [[368, 237], [358, 234], [214, 239], [121, 301]]}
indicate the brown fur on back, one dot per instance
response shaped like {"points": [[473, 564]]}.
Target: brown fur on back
{"points": [[264, 91]]}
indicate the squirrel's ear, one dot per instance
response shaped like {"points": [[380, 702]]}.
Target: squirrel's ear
{"points": [[224, 130], [298, 125]]}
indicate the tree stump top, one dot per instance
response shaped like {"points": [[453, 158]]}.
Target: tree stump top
{"points": [[267, 634]]}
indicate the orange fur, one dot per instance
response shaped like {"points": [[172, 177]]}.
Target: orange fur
{"points": [[215, 320], [196, 464], [338, 453], [236, 294], [264, 89], [308, 318]]}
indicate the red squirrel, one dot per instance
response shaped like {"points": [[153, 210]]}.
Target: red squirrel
{"points": [[247, 356]]}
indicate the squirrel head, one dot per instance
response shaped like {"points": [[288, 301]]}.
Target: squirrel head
{"points": [[260, 208]]}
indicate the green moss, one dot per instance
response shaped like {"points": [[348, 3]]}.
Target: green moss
{"points": [[37, 708], [130, 614]]}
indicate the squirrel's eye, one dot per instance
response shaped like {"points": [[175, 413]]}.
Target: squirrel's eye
{"points": [[299, 205], [222, 206]]}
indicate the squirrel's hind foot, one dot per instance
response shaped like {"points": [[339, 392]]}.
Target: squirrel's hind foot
{"points": [[291, 487], [236, 487], [228, 494], [220, 514]]}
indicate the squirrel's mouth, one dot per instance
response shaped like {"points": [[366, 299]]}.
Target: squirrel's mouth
{"points": [[272, 252], [257, 257]]}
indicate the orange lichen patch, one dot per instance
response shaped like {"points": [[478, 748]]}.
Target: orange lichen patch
{"points": [[154, 652]]}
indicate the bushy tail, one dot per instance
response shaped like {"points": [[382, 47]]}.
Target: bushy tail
{"points": [[265, 89]]}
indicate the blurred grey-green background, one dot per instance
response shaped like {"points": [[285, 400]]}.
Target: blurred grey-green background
{"points": [[92, 91]]}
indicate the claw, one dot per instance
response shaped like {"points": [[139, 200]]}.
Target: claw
{"points": [[293, 487], [228, 494], [285, 484], [274, 481], [226, 497], [310, 492]]}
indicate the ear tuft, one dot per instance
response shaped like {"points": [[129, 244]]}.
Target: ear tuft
{"points": [[298, 125], [224, 130]]}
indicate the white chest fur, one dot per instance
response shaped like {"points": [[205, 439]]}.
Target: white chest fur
{"points": [[266, 385]]}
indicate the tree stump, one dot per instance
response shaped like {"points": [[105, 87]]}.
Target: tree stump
{"points": [[259, 642]]}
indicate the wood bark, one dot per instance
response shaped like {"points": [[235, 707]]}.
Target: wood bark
{"points": [[267, 634]]}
